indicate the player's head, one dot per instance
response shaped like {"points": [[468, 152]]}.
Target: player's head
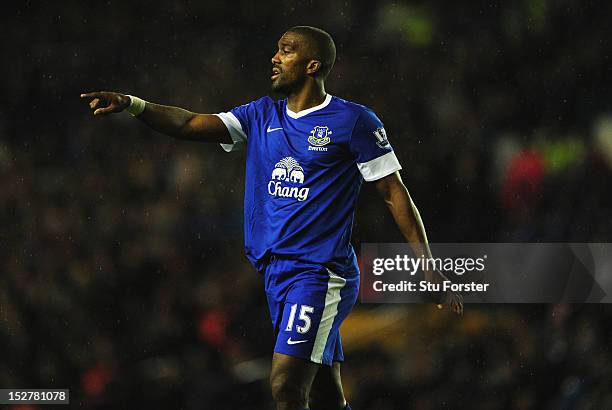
{"points": [[304, 53]]}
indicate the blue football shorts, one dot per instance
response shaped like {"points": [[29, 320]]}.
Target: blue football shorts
{"points": [[308, 303]]}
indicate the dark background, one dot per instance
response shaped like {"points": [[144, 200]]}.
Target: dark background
{"points": [[122, 273]]}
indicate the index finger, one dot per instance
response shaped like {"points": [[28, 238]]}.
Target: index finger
{"points": [[90, 95]]}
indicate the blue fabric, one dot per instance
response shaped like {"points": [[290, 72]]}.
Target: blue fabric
{"points": [[298, 293], [302, 179]]}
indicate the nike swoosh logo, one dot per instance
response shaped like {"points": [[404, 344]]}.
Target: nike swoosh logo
{"points": [[273, 129], [294, 342]]}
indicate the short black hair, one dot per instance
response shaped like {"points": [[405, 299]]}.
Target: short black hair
{"points": [[322, 44]]}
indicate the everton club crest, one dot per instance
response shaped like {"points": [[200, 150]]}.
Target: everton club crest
{"points": [[319, 136]]}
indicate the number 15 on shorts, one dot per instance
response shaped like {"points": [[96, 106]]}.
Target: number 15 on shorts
{"points": [[304, 317]]}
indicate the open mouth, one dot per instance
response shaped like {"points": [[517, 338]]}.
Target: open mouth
{"points": [[275, 73]]}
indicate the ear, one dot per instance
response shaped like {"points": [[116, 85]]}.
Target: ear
{"points": [[313, 66]]}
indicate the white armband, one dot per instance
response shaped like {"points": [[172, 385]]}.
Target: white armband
{"points": [[137, 106]]}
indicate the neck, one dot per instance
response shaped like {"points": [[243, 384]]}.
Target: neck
{"points": [[307, 97]]}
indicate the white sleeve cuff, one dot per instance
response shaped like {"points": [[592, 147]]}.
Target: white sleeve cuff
{"points": [[379, 167], [232, 124]]}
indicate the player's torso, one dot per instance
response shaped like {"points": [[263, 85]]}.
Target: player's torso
{"points": [[300, 152]]}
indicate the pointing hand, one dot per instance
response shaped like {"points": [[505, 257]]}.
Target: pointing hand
{"points": [[106, 102]]}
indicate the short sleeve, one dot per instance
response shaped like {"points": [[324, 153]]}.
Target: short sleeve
{"points": [[373, 152], [238, 122]]}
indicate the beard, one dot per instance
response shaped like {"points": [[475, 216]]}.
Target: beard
{"points": [[287, 86]]}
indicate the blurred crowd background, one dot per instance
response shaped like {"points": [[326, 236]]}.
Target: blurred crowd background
{"points": [[122, 273]]}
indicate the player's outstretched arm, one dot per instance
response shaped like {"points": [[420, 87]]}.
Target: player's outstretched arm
{"points": [[409, 221], [173, 121]]}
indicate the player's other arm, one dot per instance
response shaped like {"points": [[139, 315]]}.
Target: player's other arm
{"points": [[173, 121], [408, 219]]}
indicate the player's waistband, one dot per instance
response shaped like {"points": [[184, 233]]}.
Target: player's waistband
{"points": [[341, 269], [273, 258], [278, 258]]}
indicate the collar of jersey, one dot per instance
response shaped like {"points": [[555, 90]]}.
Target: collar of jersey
{"points": [[299, 114]]}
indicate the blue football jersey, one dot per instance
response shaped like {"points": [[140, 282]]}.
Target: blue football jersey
{"points": [[304, 171]]}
